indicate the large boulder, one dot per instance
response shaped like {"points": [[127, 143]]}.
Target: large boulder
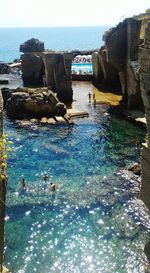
{"points": [[25, 102], [32, 45]]}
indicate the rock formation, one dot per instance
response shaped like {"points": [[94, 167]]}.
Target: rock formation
{"points": [[32, 69], [32, 65], [144, 56], [25, 102], [104, 72], [58, 74], [52, 69], [32, 45], [4, 68], [119, 57], [117, 60]]}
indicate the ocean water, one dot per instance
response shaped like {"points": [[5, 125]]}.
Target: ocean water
{"points": [[94, 222], [55, 38]]}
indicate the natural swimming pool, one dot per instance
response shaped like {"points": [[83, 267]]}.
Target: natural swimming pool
{"points": [[94, 222]]}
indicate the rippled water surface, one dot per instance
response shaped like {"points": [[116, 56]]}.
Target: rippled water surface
{"points": [[94, 221]]}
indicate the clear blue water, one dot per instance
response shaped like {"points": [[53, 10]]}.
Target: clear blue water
{"points": [[81, 68], [94, 222], [55, 38]]}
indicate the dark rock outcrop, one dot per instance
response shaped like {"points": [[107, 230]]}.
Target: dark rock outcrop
{"points": [[32, 69], [103, 71], [32, 45], [4, 68], [25, 102]]}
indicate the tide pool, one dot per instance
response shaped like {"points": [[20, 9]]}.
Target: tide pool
{"points": [[94, 221]]}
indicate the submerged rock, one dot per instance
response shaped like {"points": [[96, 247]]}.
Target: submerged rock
{"points": [[136, 169], [4, 68]]}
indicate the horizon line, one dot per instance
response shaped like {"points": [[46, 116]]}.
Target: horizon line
{"points": [[19, 27]]}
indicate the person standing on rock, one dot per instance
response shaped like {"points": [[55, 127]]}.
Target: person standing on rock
{"points": [[93, 97], [89, 95]]}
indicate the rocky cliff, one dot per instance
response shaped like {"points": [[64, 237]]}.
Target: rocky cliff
{"points": [[117, 61], [2, 187], [144, 57]]}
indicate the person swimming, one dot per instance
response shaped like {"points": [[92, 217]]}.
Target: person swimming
{"points": [[53, 186], [45, 177], [23, 183]]}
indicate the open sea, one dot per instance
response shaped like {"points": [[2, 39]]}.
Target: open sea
{"points": [[94, 222], [55, 38]]}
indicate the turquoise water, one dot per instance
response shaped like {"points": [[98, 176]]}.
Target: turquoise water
{"points": [[83, 68], [94, 222], [55, 38]]}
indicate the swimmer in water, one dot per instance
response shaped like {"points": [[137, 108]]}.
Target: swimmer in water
{"points": [[45, 177], [23, 183], [53, 186]]}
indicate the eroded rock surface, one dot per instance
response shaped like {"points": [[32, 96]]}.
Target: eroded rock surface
{"points": [[32, 45], [25, 102], [144, 56]]}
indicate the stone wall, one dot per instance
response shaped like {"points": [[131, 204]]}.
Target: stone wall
{"points": [[144, 57]]}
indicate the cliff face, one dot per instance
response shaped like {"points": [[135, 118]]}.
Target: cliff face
{"points": [[144, 57], [118, 62], [121, 57], [2, 190]]}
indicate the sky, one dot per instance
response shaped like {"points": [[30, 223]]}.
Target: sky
{"points": [[36, 13]]}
